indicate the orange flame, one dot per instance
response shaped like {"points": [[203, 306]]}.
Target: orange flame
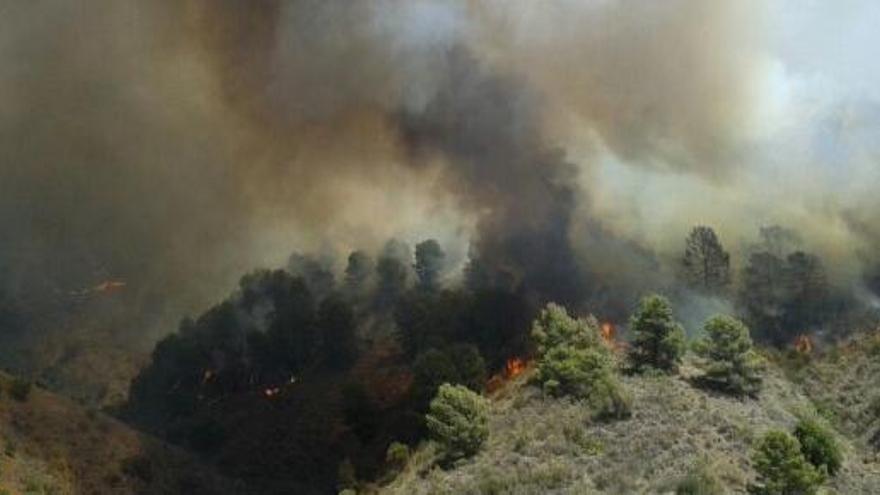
{"points": [[109, 286], [104, 287], [514, 367], [803, 344], [608, 332]]}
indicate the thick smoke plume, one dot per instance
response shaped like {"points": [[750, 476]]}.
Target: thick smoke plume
{"points": [[178, 144]]}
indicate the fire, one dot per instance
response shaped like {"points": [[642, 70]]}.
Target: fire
{"points": [[608, 332], [514, 367], [109, 286], [803, 344], [104, 287], [272, 392]]}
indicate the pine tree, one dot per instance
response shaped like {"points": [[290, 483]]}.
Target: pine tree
{"points": [[730, 362], [658, 340], [706, 263], [458, 419]]}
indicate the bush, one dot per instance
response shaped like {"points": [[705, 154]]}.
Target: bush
{"points": [[555, 328], [819, 446], [700, 481], [729, 361], [458, 419], [346, 476], [782, 468], [609, 401], [397, 456], [140, 467], [571, 358], [459, 364], [20, 389], [206, 435], [566, 370], [469, 364], [658, 340], [360, 412]]}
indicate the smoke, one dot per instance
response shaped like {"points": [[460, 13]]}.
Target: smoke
{"points": [[568, 146]]}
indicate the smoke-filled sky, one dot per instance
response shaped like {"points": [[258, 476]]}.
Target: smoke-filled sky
{"points": [[178, 144]]}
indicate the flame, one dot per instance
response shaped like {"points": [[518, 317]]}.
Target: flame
{"points": [[207, 376], [109, 286], [104, 287], [514, 367], [608, 332], [272, 392], [803, 344]]}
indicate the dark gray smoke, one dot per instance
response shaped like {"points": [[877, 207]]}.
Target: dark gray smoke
{"points": [[485, 127]]}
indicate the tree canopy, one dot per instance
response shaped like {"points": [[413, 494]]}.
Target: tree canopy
{"points": [[705, 262]]}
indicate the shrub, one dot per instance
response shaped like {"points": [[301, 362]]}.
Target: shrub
{"points": [[699, 481], [729, 361], [782, 468], [459, 364], [566, 370], [609, 401], [819, 446], [206, 435], [397, 456], [346, 476], [469, 364], [360, 412], [571, 359], [658, 340], [555, 328], [20, 389], [140, 467], [458, 419]]}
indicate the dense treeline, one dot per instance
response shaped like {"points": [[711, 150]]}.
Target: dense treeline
{"points": [[782, 290], [283, 329]]}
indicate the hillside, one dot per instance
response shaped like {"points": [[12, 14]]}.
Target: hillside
{"points": [[50, 445], [545, 445]]}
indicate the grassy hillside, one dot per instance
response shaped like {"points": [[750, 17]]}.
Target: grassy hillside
{"points": [[544, 445], [50, 445], [843, 385]]}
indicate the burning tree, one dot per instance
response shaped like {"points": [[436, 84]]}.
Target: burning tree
{"points": [[574, 360]]}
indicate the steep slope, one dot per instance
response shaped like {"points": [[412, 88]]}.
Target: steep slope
{"points": [[544, 445], [52, 445]]}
